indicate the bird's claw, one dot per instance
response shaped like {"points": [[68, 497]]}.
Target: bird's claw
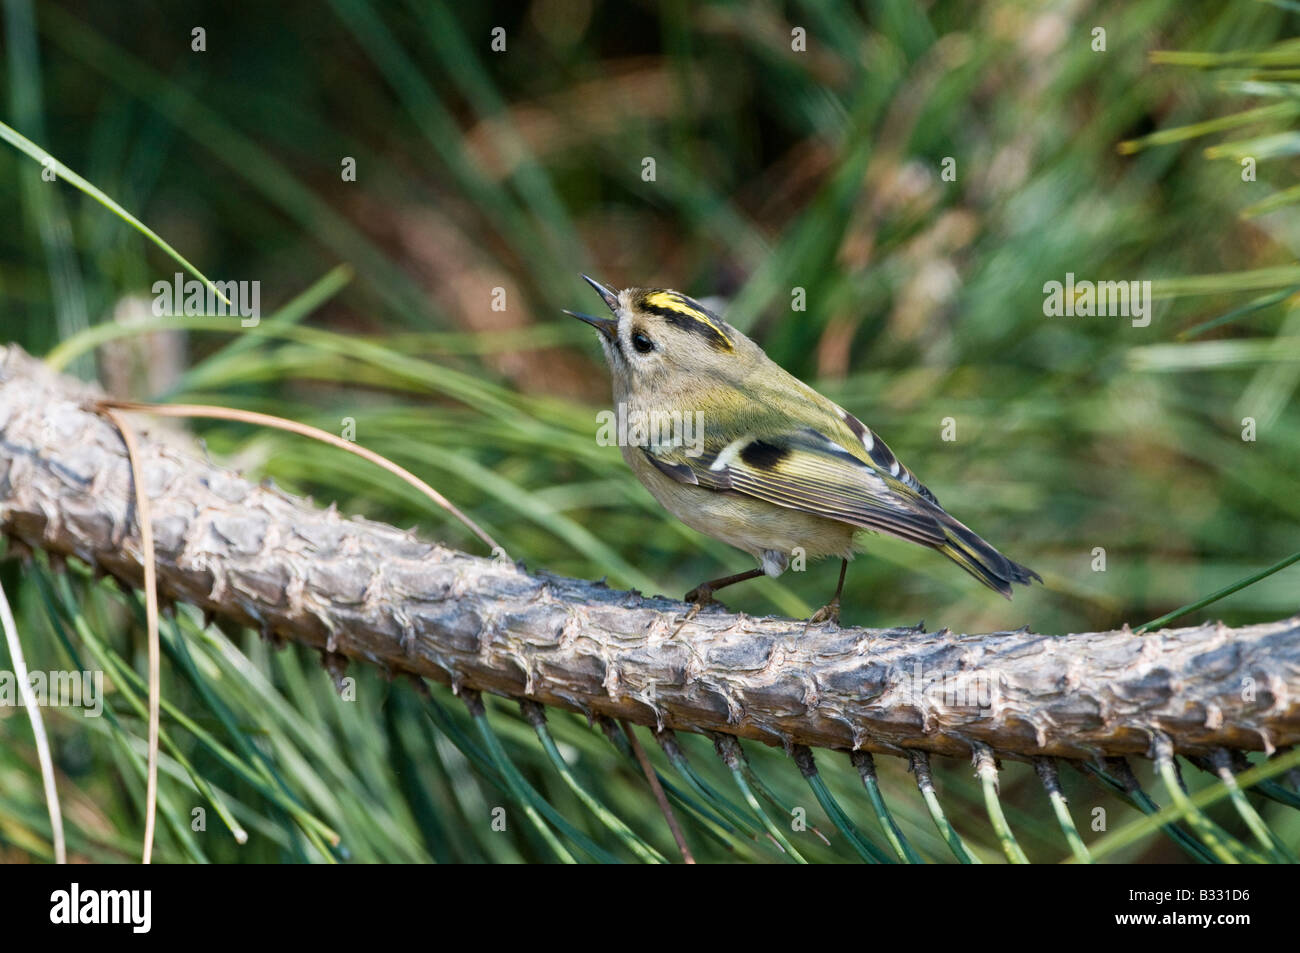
{"points": [[694, 611], [827, 613], [701, 596]]}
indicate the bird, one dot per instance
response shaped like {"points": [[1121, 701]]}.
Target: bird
{"points": [[774, 468]]}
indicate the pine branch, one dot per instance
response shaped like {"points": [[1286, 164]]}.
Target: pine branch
{"points": [[255, 556]]}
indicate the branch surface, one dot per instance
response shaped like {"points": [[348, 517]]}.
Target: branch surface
{"points": [[254, 555]]}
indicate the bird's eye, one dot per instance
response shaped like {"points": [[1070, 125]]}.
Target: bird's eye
{"points": [[642, 343]]}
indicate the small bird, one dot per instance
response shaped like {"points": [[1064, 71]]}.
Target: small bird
{"points": [[776, 469]]}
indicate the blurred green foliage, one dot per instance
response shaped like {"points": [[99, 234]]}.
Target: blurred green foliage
{"points": [[775, 170]]}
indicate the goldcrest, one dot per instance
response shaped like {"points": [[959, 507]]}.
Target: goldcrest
{"points": [[776, 469]]}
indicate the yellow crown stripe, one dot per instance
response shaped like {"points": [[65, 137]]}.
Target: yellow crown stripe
{"points": [[671, 301]]}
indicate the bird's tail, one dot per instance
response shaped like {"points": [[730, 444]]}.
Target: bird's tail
{"points": [[980, 559]]}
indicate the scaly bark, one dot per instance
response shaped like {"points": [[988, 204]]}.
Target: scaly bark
{"points": [[257, 556]]}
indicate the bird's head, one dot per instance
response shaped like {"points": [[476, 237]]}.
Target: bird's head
{"points": [[659, 339]]}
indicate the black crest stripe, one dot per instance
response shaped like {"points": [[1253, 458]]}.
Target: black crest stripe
{"points": [[682, 312]]}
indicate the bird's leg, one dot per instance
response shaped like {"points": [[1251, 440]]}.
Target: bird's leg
{"points": [[702, 594], [831, 611]]}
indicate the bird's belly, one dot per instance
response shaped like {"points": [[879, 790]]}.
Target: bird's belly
{"points": [[742, 521]]}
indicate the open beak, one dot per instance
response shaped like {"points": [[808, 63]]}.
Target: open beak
{"points": [[606, 326], [609, 294]]}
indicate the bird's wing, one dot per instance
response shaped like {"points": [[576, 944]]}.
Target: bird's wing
{"points": [[805, 470]]}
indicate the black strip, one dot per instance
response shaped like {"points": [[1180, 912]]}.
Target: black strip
{"points": [[687, 323], [762, 455]]}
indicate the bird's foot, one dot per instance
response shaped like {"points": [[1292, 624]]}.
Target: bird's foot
{"points": [[701, 596], [827, 613]]}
